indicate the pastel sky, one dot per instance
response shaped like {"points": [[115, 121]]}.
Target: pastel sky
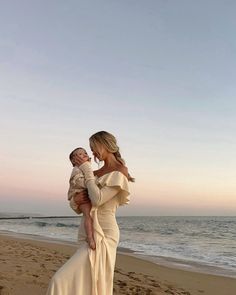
{"points": [[158, 74]]}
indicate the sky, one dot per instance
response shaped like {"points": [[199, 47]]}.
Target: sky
{"points": [[158, 74]]}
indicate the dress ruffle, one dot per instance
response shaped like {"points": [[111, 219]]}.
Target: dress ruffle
{"points": [[90, 272], [117, 179], [101, 260]]}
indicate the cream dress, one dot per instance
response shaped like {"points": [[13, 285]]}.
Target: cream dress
{"points": [[90, 272]]}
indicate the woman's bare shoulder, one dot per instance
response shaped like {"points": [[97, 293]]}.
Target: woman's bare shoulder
{"points": [[123, 169]]}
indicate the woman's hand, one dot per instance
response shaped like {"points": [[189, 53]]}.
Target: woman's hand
{"points": [[81, 198]]}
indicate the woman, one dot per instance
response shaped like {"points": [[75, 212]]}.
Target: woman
{"points": [[90, 272]]}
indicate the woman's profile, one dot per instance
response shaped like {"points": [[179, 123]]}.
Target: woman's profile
{"points": [[90, 272]]}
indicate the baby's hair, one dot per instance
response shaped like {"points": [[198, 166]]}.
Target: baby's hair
{"points": [[72, 154]]}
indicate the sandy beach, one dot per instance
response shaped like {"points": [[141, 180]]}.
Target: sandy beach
{"points": [[28, 264]]}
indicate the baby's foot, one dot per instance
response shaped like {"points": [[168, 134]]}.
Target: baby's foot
{"points": [[91, 243]]}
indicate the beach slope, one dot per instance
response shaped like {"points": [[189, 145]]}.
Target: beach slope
{"points": [[28, 264]]}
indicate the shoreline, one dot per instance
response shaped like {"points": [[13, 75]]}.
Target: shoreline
{"points": [[188, 265], [28, 263], [171, 262]]}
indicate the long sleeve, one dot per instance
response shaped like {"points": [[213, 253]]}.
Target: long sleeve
{"points": [[98, 196]]}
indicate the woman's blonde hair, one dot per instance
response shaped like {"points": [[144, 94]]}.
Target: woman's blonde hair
{"points": [[109, 142]]}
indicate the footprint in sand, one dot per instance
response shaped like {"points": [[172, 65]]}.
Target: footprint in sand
{"points": [[168, 291], [122, 284], [156, 285], [4, 291]]}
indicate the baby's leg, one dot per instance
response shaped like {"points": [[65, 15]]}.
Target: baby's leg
{"points": [[88, 224]]}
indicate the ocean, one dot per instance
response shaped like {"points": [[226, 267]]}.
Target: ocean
{"points": [[206, 244]]}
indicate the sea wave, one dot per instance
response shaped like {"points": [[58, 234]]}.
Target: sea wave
{"points": [[57, 224], [208, 240]]}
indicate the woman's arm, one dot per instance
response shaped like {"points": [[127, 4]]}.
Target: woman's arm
{"points": [[97, 196], [100, 196]]}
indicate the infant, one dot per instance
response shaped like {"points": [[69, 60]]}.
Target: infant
{"points": [[77, 184]]}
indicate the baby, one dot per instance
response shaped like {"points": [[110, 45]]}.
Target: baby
{"points": [[77, 184]]}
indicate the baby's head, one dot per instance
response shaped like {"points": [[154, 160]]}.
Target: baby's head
{"points": [[80, 152]]}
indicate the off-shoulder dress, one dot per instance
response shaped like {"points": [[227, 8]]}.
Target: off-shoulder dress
{"points": [[90, 272]]}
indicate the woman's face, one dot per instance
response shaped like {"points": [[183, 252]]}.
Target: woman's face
{"points": [[98, 151]]}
